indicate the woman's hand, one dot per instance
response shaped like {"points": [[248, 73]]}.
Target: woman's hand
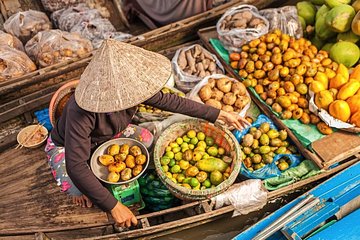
{"points": [[123, 216], [233, 120]]}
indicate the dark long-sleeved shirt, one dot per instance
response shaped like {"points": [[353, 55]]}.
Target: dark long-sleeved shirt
{"points": [[80, 131]]}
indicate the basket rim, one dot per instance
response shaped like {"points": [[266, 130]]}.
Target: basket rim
{"points": [[206, 192]]}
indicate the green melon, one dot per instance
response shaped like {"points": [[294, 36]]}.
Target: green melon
{"points": [[340, 17], [346, 53]]}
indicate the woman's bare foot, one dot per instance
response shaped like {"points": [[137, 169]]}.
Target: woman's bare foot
{"points": [[82, 201]]}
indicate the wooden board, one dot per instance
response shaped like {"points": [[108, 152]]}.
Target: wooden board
{"points": [[31, 201], [337, 147]]}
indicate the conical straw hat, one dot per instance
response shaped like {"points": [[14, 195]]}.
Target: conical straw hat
{"points": [[121, 76]]}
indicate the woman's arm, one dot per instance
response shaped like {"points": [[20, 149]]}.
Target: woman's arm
{"points": [[176, 104], [77, 153]]}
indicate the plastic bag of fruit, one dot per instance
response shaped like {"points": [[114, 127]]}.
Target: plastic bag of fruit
{"points": [[11, 41], [14, 63], [54, 46], [65, 19], [245, 197], [25, 25], [239, 25], [285, 18], [147, 113], [222, 92], [193, 63], [267, 151], [53, 5], [154, 193]]}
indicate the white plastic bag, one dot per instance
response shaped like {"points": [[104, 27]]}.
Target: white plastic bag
{"points": [[25, 25], [53, 5], [234, 38], [285, 18], [245, 197], [326, 117], [7, 39], [185, 81], [193, 95], [54, 46], [14, 63]]}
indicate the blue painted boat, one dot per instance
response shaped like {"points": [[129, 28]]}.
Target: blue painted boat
{"points": [[328, 211]]}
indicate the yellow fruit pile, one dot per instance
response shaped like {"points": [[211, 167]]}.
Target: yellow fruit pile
{"points": [[123, 162], [282, 69], [194, 161], [342, 96]]}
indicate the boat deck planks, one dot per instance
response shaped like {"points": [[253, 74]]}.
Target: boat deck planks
{"points": [[30, 201]]}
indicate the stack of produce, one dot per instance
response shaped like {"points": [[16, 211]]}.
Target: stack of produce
{"points": [[333, 27], [154, 193], [123, 162], [194, 161], [224, 93], [341, 98], [260, 145], [282, 69]]}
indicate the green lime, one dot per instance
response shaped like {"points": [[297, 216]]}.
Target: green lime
{"points": [[191, 146], [168, 149], [201, 136], [184, 149], [194, 182], [165, 168], [187, 180], [164, 160], [201, 144], [212, 151], [209, 141], [176, 149], [172, 162], [186, 139], [178, 156], [205, 156], [207, 183], [180, 178], [194, 141], [175, 169], [179, 140], [191, 133], [170, 154], [184, 145], [173, 144]]}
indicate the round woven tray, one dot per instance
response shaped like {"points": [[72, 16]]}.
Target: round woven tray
{"points": [[59, 100], [223, 138]]}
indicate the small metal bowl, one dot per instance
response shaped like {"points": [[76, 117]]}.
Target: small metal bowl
{"points": [[25, 132], [101, 171]]}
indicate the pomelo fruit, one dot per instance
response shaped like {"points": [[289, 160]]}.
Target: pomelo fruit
{"points": [[345, 52]]}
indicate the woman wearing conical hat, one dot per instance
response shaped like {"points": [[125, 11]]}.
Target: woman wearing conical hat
{"points": [[119, 77]]}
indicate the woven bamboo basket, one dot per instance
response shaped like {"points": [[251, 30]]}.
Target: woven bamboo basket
{"points": [[59, 100], [223, 138]]}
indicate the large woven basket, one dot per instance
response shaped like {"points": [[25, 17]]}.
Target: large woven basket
{"points": [[59, 100], [223, 138]]}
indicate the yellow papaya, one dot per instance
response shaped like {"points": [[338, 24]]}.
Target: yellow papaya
{"points": [[323, 99], [339, 109], [316, 86], [348, 90], [354, 103], [355, 119], [355, 74], [321, 77], [338, 81], [343, 70]]}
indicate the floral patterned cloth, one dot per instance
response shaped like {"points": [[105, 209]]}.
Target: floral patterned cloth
{"points": [[57, 163]]}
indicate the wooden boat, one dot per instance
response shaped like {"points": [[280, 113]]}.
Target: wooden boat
{"points": [[310, 214], [21, 96]]}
